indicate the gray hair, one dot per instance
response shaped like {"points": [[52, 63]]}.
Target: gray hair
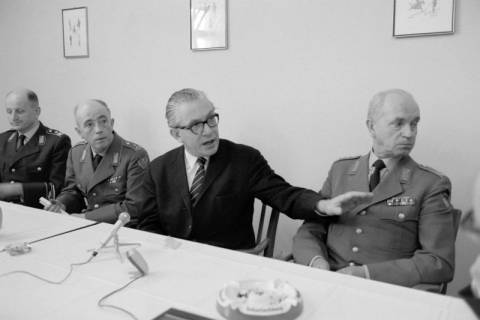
{"points": [[179, 97], [101, 102], [378, 100]]}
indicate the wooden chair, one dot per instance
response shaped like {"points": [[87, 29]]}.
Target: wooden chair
{"points": [[266, 245]]}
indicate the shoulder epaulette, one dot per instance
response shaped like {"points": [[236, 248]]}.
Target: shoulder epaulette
{"points": [[132, 145], [348, 158], [54, 132], [80, 143], [431, 170]]}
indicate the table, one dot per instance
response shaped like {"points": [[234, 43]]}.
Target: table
{"points": [[187, 277]]}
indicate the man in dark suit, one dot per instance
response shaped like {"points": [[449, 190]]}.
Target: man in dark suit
{"points": [[406, 234], [32, 156], [104, 172], [205, 189]]}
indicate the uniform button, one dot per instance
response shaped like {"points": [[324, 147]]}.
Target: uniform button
{"points": [[363, 213], [96, 206], [401, 216], [39, 169], [13, 170], [355, 249], [12, 181], [116, 189], [358, 231], [94, 194], [351, 264]]}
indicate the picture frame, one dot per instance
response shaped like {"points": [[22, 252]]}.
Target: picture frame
{"points": [[75, 32], [413, 18], [208, 25]]}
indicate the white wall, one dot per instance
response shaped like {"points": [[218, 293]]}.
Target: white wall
{"points": [[295, 82]]}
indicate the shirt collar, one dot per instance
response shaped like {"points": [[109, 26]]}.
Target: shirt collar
{"points": [[390, 163], [191, 160], [29, 134]]}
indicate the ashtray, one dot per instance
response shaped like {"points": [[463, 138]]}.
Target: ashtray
{"points": [[259, 299]]}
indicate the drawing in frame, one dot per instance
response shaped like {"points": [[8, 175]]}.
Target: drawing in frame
{"points": [[208, 24], [75, 32], [423, 17]]}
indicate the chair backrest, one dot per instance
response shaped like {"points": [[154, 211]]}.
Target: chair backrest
{"points": [[457, 214], [264, 245], [271, 229]]}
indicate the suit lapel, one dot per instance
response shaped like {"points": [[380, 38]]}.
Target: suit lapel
{"points": [[180, 178], [107, 166], [216, 165]]}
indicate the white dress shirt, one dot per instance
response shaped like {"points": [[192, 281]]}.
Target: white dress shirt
{"points": [[191, 166]]}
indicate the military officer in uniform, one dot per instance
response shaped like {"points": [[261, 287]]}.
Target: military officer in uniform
{"points": [[104, 172], [32, 156], [406, 234]]}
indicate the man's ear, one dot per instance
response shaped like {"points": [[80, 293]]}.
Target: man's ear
{"points": [[175, 133], [78, 131], [112, 121], [370, 127]]}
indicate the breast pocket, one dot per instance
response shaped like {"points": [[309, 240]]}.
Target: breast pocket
{"points": [[400, 226]]}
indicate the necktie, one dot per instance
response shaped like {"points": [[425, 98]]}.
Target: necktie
{"points": [[375, 177], [96, 160], [20, 141], [196, 187]]}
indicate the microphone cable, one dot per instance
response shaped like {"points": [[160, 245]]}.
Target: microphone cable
{"points": [[47, 280], [101, 303]]}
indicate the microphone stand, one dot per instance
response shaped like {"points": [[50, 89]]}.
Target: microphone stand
{"points": [[116, 245]]}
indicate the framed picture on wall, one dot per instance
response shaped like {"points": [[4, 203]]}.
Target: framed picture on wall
{"points": [[423, 17], [208, 24], [75, 32]]}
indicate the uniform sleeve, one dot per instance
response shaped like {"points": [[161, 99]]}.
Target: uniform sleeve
{"points": [[433, 261], [310, 239], [265, 184], [32, 191], [70, 196], [133, 194]]}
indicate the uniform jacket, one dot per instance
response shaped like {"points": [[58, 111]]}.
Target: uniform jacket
{"points": [[112, 188], [236, 175], [405, 236], [39, 165]]}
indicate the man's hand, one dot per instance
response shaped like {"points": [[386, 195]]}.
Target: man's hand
{"points": [[55, 206], [343, 203], [320, 263], [475, 273], [357, 271], [10, 190], [78, 215]]}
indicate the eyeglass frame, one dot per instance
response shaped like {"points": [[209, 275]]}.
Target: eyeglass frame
{"points": [[203, 123]]}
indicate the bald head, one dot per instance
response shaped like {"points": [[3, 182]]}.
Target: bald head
{"points": [[22, 109], [377, 103]]}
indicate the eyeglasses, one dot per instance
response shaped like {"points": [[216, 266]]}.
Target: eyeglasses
{"points": [[198, 127]]}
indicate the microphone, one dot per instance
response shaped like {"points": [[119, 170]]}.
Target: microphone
{"points": [[123, 218]]}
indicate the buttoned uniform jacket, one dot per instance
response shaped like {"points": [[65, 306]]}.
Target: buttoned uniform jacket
{"points": [[405, 235], [112, 188], [235, 176], [39, 165]]}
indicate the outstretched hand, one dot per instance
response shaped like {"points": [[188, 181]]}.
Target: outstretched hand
{"points": [[343, 203]]}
